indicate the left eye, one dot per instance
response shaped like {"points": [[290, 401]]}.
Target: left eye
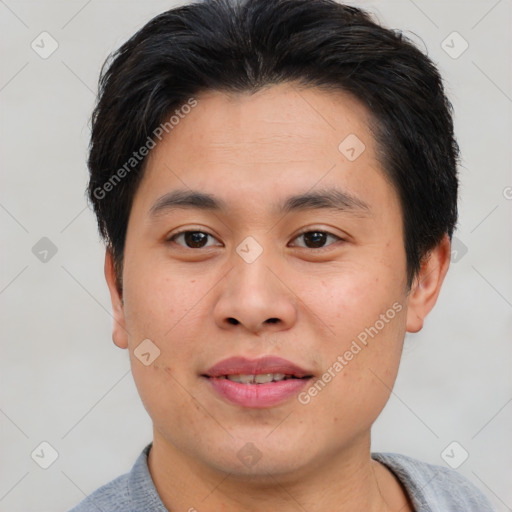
{"points": [[192, 239], [316, 239]]}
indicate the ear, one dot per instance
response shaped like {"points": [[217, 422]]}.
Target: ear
{"points": [[119, 333], [427, 284]]}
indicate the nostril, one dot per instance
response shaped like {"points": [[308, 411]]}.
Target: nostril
{"points": [[233, 321], [272, 320]]}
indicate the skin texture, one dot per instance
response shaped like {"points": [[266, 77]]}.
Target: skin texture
{"points": [[252, 151]]}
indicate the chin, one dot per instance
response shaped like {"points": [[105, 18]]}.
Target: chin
{"points": [[266, 469], [260, 457]]}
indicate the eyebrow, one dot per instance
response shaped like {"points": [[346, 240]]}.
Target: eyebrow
{"points": [[328, 199]]}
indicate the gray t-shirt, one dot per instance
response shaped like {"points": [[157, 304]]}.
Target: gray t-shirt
{"points": [[431, 488]]}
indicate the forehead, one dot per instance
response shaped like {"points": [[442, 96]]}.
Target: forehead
{"points": [[256, 145], [273, 120]]}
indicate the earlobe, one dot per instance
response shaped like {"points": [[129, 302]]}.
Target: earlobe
{"points": [[119, 333], [427, 284]]}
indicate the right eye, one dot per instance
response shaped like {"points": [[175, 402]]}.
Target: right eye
{"points": [[192, 239]]}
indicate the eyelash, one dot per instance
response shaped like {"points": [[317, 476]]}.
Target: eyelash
{"points": [[317, 249]]}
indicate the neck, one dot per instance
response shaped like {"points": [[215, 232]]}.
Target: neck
{"points": [[350, 479]]}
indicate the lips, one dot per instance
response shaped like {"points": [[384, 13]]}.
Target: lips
{"points": [[257, 383], [263, 365]]}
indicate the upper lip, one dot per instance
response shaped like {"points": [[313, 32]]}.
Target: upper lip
{"points": [[267, 364]]}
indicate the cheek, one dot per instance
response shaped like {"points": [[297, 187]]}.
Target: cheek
{"points": [[161, 309], [162, 393], [352, 297], [364, 307], [357, 383], [156, 297]]}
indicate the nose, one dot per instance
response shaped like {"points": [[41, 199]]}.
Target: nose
{"points": [[255, 296]]}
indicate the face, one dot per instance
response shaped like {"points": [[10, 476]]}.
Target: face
{"points": [[294, 265]]}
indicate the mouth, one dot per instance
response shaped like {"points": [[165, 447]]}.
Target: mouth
{"points": [[256, 383], [268, 365], [260, 378]]}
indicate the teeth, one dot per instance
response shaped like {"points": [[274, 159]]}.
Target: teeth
{"points": [[263, 378], [243, 379]]}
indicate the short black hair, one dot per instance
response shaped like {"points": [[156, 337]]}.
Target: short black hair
{"points": [[246, 45]]}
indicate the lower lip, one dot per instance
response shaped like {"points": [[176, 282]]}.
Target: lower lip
{"points": [[257, 396]]}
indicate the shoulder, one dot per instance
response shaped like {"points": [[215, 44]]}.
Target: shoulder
{"points": [[114, 496], [131, 492], [434, 488]]}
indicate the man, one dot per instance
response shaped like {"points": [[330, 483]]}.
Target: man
{"points": [[276, 184]]}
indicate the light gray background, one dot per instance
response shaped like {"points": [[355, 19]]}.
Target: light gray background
{"points": [[62, 379]]}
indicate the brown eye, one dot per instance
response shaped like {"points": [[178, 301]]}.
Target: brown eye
{"points": [[192, 239], [316, 239]]}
